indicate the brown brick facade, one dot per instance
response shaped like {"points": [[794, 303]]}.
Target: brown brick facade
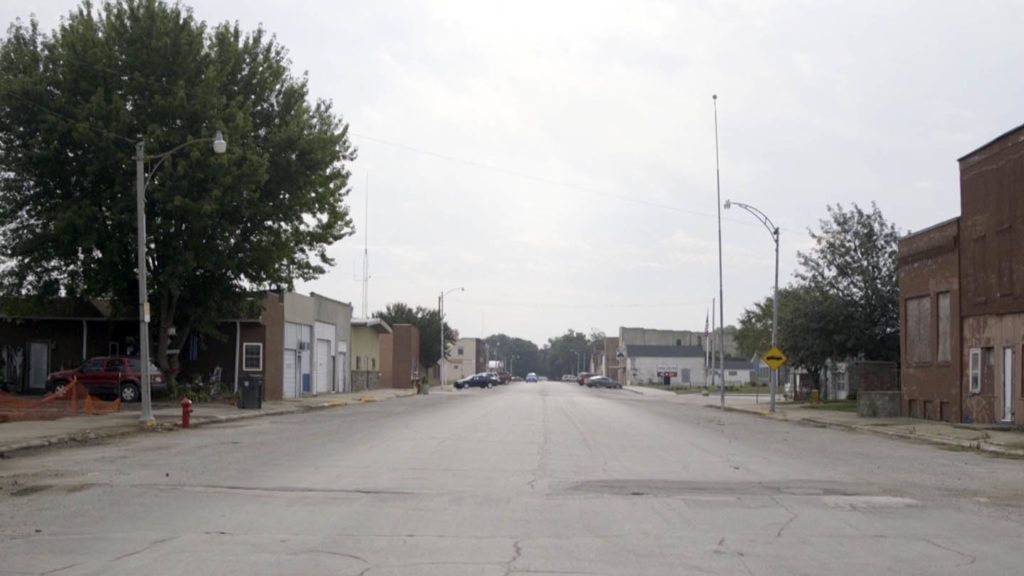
{"points": [[929, 271]]}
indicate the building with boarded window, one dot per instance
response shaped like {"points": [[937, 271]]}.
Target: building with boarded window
{"points": [[961, 298], [929, 277]]}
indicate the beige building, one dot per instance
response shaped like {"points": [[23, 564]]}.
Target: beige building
{"points": [[467, 357], [366, 335]]}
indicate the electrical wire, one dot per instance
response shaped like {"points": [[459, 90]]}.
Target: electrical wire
{"points": [[552, 182]]}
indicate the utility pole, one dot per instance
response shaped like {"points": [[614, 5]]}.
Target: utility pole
{"points": [[721, 290]]}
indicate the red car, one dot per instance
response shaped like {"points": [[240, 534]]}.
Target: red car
{"points": [[582, 378], [110, 375]]}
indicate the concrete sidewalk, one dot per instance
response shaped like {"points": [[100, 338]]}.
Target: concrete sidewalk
{"points": [[993, 439], [24, 435]]}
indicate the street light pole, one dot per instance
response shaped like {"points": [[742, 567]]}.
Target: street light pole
{"points": [[440, 313], [141, 181], [774, 231], [721, 290]]}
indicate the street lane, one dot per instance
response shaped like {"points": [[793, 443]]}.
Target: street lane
{"points": [[545, 478]]}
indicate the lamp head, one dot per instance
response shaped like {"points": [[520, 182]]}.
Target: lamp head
{"points": [[220, 145], [728, 204]]}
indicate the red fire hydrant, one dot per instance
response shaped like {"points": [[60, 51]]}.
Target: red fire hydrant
{"points": [[186, 412]]}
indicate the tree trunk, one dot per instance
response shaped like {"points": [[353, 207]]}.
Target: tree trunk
{"points": [[168, 307]]}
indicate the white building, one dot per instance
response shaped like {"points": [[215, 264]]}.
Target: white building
{"points": [[467, 357], [663, 364]]}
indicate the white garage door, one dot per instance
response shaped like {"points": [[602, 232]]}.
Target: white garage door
{"points": [[323, 366], [290, 380]]}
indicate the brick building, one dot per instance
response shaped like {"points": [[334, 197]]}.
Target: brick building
{"points": [[400, 357], [961, 298], [929, 277]]}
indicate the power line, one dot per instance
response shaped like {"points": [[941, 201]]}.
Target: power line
{"points": [[549, 181], [69, 120], [555, 305]]}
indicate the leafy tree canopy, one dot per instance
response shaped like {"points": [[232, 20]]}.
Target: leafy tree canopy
{"points": [[853, 266], [845, 301], [520, 356], [428, 321], [74, 103], [566, 354]]}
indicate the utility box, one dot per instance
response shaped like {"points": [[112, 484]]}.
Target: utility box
{"points": [[250, 392]]}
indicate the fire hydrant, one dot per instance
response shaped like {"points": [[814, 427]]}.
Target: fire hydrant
{"points": [[186, 412]]}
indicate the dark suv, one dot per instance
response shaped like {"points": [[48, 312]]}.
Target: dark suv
{"points": [[110, 375], [482, 380]]}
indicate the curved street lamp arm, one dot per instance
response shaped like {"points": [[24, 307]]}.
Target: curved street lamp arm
{"points": [[219, 137], [761, 217]]}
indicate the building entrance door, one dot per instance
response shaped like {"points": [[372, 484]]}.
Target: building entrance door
{"points": [[38, 365], [1008, 384]]}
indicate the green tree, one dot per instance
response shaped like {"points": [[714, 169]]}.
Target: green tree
{"points": [[852, 270], [562, 352], [72, 106], [810, 331], [428, 321], [754, 334], [520, 356]]}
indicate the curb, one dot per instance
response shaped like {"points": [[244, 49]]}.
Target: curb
{"points": [[86, 437], [979, 445]]}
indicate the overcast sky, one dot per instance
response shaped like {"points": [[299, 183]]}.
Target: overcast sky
{"points": [[557, 159]]}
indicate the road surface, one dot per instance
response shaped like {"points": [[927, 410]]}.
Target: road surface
{"points": [[531, 478]]}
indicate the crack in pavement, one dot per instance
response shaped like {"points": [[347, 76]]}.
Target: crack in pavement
{"points": [[54, 571], [544, 446], [971, 558], [272, 489], [735, 553], [792, 516], [146, 547], [340, 554], [517, 552]]}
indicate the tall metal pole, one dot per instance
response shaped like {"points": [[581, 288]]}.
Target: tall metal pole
{"points": [[140, 226], [721, 291], [366, 249], [440, 314], [709, 356], [775, 321], [774, 231]]}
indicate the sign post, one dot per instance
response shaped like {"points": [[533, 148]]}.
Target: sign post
{"points": [[774, 358]]}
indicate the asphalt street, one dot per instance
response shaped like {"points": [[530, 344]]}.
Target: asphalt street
{"points": [[545, 478]]}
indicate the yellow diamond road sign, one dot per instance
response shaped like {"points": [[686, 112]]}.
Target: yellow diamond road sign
{"points": [[774, 358]]}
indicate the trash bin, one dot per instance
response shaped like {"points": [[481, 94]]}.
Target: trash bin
{"points": [[815, 397], [250, 392]]}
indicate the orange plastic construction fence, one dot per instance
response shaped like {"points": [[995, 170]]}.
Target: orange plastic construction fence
{"points": [[72, 400]]}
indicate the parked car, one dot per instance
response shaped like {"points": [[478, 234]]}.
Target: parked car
{"points": [[581, 379], [602, 382], [531, 377], [482, 380], [110, 376]]}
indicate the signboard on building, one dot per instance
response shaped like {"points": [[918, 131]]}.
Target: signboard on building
{"points": [[667, 370]]}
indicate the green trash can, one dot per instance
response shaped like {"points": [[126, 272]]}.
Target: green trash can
{"points": [[250, 392]]}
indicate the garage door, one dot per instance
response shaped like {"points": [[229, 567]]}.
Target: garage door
{"points": [[290, 380], [323, 366]]}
